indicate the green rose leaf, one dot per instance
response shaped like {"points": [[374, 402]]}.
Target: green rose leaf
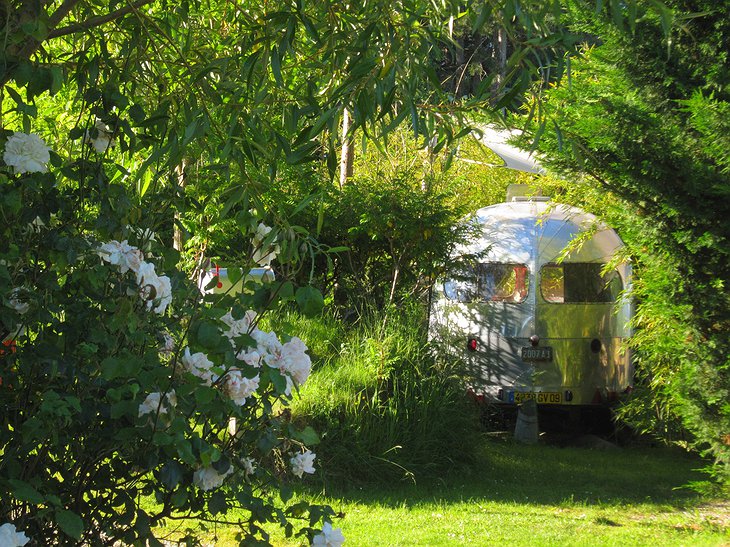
{"points": [[70, 523], [171, 474], [307, 436], [277, 378], [120, 367], [209, 336], [25, 492], [310, 301], [179, 498], [217, 503]]}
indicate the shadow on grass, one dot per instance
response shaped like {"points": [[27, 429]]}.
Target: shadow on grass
{"points": [[508, 472]]}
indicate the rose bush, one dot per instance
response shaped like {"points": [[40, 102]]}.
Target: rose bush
{"points": [[131, 398]]}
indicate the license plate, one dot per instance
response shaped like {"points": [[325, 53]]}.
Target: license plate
{"points": [[542, 353], [541, 397]]}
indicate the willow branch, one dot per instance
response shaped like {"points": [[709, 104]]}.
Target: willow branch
{"points": [[60, 14], [97, 21]]}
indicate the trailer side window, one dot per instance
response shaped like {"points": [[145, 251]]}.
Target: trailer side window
{"points": [[499, 282], [579, 282], [460, 286]]}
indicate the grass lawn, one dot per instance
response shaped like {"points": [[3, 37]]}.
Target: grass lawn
{"points": [[535, 495], [543, 495]]}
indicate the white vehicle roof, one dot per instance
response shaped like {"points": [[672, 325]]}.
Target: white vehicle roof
{"points": [[496, 139], [520, 230]]}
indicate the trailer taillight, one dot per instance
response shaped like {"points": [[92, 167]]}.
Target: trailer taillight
{"points": [[471, 344], [219, 284]]}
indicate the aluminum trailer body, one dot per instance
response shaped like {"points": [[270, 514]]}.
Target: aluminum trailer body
{"points": [[541, 315]]}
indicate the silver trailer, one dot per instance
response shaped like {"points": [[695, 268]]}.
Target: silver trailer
{"points": [[544, 313]]}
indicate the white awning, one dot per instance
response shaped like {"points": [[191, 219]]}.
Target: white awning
{"points": [[496, 139]]}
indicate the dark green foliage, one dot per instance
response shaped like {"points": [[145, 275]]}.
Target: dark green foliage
{"points": [[398, 235], [646, 120]]}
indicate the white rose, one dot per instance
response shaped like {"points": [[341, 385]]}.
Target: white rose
{"points": [[329, 537], [153, 287], [9, 537], [207, 478], [303, 463], [103, 139], [249, 466], [36, 225], [199, 365], [18, 305], [238, 387], [237, 327], [163, 289], [251, 357], [268, 345], [263, 255], [152, 403], [122, 254], [168, 344], [290, 358], [26, 153], [295, 361]]}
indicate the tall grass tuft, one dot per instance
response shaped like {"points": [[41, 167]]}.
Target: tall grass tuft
{"points": [[386, 407]]}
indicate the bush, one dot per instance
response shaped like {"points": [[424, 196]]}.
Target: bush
{"points": [[120, 384]]}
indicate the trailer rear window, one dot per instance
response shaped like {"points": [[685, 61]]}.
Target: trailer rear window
{"points": [[461, 287], [489, 282], [579, 282]]}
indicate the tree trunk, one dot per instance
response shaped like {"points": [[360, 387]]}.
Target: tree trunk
{"points": [[347, 155], [178, 239], [500, 59]]}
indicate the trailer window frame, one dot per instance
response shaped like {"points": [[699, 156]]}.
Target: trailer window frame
{"points": [[485, 282], [591, 286]]}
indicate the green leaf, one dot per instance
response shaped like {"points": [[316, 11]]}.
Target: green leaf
{"points": [[276, 67], [185, 450], [136, 112], [209, 335], [310, 301], [70, 523], [236, 196], [217, 503], [308, 436], [234, 275], [316, 129], [171, 474], [22, 491], [204, 395], [277, 378], [284, 290], [286, 493], [56, 79], [179, 498], [161, 438], [484, 14], [120, 367], [123, 408]]}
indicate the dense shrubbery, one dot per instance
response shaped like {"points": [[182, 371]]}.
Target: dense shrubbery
{"points": [[649, 133], [127, 397]]}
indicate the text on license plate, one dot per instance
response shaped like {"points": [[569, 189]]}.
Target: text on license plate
{"points": [[541, 397], [542, 353]]}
